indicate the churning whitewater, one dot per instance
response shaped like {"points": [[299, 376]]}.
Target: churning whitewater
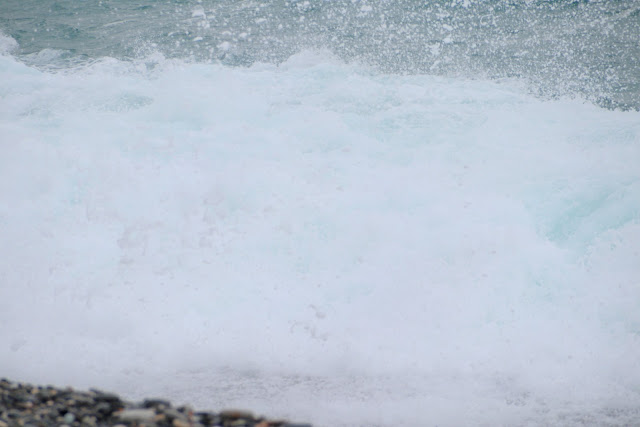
{"points": [[353, 213]]}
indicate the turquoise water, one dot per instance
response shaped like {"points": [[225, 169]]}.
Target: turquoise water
{"points": [[352, 213]]}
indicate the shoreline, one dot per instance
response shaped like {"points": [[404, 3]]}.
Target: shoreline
{"points": [[24, 404]]}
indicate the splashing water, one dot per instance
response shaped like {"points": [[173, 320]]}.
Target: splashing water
{"points": [[355, 213]]}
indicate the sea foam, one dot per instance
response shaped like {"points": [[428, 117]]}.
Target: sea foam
{"points": [[389, 248]]}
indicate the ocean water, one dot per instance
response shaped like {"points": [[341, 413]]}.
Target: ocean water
{"points": [[353, 213]]}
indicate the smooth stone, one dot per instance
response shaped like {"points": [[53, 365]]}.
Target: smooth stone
{"points": [[82, 399], [89, 420], [209, 418], [186, 409], [69, 418], [175, 414], [156, 403], [137, 415], [104, 409], [236, 413], [101, 396]]}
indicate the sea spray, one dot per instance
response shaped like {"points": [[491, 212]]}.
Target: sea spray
{"points": [[315, 237]]}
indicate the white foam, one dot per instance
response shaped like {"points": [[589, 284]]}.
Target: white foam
{"points": [[7, 44], [319, 222]]}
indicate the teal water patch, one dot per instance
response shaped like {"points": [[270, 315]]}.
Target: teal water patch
{"points": [[575, 217]]}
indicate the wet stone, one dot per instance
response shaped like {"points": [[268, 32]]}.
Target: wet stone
{"points": [[28, 405], [102, 396], [174, 414], [209, 419], [235, 413], [137, 415], [156, 403], [104, 409], [69, 417]]}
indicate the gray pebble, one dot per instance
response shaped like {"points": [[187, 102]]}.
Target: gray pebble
{"points": [[26, 405], [69, 418], [137, 415]]}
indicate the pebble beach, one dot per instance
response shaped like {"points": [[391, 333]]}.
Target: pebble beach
{"points": [[35, 405]]}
